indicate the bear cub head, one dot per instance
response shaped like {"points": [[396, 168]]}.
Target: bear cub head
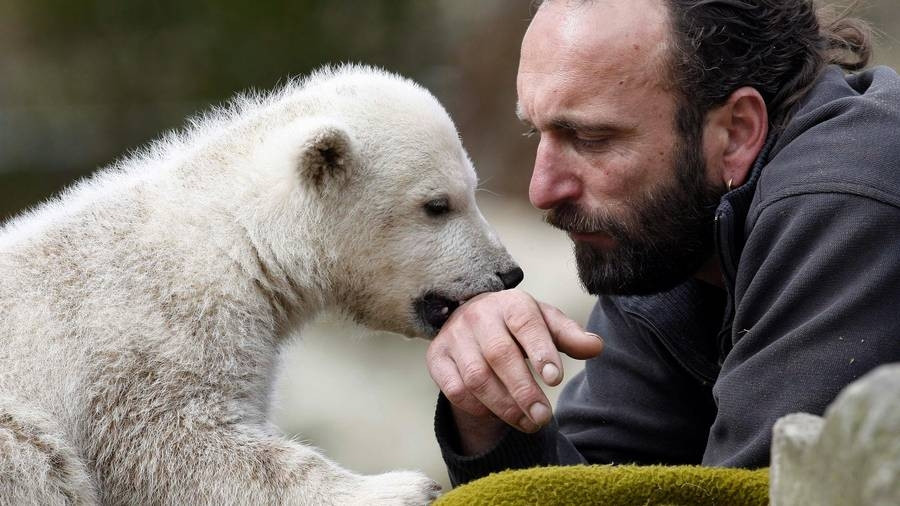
{"points": [[376, 186]]}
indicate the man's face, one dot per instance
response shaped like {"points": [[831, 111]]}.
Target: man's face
{"points": [[610, 167]]}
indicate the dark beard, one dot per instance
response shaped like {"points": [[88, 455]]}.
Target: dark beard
{"points": [[664, 239]]}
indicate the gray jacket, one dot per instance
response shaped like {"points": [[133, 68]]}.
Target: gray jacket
{"points": [[810, 251]]}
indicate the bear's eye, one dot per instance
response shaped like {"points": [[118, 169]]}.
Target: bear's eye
{"points": [[437, 207]]}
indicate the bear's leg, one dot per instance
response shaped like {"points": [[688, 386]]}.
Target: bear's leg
{"points": [[37, 465], [244, 465]]}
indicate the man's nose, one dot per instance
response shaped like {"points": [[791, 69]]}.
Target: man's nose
{"points": [[552, 181]]}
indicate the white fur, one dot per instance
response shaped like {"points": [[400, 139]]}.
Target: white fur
{"points": [[142, 312]]}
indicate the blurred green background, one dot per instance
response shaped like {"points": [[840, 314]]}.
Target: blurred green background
{"points": [[84, 82]]}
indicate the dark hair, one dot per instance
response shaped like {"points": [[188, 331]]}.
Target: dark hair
{"points": [[778, 47]]}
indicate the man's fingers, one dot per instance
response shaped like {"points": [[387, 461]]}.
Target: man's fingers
{"points": [[481, 379], [445, 374], [505, 359], [479, 357], [570, 337], [525, 321]]}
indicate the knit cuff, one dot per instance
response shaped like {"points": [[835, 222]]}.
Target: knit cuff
{"points": [[515, 450]]}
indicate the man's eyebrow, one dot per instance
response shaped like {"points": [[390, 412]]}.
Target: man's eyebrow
{"points": [[574, 125]]}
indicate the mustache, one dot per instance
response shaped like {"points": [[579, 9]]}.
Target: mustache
{"points": [[570, 217]]}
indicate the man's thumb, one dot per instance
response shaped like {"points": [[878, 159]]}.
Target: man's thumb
{"points": [[569, 336]]}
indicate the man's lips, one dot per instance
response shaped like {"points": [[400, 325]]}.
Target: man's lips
{"points": [[599, 239]]}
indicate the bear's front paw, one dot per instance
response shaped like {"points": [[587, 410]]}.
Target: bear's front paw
{"points": [[407, 488]]}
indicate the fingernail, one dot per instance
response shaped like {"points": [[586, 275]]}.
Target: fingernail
{"points": [[594, 335], [550, 373], [527, 425], [540, 413]]}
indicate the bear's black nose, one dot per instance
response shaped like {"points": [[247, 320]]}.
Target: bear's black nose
{"points": [[511, 278]]}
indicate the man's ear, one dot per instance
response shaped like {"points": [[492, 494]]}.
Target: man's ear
{"points": [[326, 154], [733, 136]]}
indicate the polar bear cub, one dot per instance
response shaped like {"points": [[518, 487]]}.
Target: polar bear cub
{"points": [[142, 312]]}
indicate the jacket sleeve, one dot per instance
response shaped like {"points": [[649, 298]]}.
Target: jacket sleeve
{"points": [[816, 307], [633, 404], [516, 450]]}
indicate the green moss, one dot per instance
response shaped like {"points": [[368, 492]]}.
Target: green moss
{"points": [[616, 485]]}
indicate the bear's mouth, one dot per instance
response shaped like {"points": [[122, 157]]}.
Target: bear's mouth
{"points": [[434, 310]]}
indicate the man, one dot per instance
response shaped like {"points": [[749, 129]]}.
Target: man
{"points": [[734, 201]]}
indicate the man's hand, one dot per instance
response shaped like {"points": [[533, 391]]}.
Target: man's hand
{"points": [[479, 361]]}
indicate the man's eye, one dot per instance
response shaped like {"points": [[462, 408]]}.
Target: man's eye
{"points": [[591, 143], [531, 132], [437, 207]]}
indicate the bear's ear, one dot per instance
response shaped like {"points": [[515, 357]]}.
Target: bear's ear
{"points": [[326, 155]]}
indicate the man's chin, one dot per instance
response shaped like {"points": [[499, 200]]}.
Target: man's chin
{"points": [[631, 286], [616, 272]]}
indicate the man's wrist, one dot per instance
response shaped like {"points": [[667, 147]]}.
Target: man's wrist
{"points": [[477, 435]]}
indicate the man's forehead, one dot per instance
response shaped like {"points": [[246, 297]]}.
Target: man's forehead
{"points": [[595, 33], [575, 51]]}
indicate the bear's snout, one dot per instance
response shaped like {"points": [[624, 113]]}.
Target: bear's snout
{"points": [[434, 308], [511, 278]]}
